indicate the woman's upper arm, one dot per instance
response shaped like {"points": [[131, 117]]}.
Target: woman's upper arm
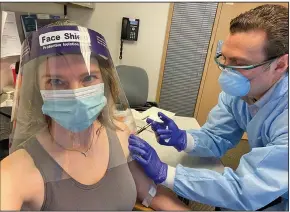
{"points": [[11, 198], [164, 199], [142, 182], [17, 182]]}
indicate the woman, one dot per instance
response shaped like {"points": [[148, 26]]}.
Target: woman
{"points": [[69, 143]]}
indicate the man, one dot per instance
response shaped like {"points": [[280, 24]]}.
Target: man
{"points": [[254, 81]]}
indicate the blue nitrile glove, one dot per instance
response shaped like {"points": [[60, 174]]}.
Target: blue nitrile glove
{"points": [[147, 157], [167, 133]]}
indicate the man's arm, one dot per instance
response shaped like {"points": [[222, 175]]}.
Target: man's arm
{"points": [[220, 133], [262, 176]]}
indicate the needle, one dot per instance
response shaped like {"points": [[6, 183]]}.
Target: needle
{"points": [[143, 128]]}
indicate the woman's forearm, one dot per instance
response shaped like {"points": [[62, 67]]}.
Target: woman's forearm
{"points": [[167, 200]]}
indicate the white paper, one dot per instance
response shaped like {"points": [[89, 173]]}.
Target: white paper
{"points": [[152, 113], [10, 42], [42, 16], [4, 16], [136, 114]]}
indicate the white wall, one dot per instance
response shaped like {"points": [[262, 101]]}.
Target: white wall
{"points": [[106, 18], [147, 51]]}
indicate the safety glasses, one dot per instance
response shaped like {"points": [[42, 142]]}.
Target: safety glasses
{"points": [[220, 61]]}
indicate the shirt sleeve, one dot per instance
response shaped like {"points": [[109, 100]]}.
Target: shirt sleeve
{"points": [[261, 177], [220, 133]]}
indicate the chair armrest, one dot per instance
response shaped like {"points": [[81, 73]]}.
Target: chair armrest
{"points": [[152, 104], [146, 106]]}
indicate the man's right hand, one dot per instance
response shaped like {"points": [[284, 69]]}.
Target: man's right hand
{"points": [[167, 133]]}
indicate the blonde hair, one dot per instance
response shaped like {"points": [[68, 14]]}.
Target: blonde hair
{"points": [[29, 118]]}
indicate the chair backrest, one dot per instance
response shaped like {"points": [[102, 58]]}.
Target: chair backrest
{"points": [[134, 81]]}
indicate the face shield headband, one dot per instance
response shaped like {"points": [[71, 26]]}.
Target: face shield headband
{"points": [[64, 40]]}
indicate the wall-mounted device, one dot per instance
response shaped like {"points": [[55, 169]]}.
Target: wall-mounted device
{"points": [[129, 31], [130, 28], [33, 22]]}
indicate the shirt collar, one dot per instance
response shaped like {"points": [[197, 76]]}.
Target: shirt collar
{"points": [[276, 91]]}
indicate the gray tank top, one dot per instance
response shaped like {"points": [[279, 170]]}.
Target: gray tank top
{"points": [[115, 191]]}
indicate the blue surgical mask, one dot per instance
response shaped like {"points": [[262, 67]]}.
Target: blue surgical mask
{"points": [[234, 83], [74, 110]]}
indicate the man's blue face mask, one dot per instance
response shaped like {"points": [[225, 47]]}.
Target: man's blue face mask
{"points": [[234, 83], [74, 110]]}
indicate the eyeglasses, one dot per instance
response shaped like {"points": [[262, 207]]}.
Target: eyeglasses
{"points": [[220, 61]]}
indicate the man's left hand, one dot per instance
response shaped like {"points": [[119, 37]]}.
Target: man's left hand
{"points": [[147, 157]]}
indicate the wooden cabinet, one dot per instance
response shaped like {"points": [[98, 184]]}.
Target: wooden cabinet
{"points": [[209, 88]]}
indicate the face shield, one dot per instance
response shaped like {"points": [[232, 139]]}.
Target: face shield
{"points": [[68, 94]]}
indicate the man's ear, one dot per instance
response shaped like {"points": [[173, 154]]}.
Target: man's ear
{"points": [[282, 64]]}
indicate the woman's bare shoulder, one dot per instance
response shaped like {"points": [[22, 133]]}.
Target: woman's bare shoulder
{"points": [[18, 162], [19, 175], [123, 134]]}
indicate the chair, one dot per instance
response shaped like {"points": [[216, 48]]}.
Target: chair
{"points": [[135, 83]]}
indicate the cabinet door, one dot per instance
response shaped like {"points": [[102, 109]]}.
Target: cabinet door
{"points": [[210, 89]]}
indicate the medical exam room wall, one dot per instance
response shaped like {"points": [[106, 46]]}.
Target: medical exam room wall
{"points": [[106, 18], [147, 51]]}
